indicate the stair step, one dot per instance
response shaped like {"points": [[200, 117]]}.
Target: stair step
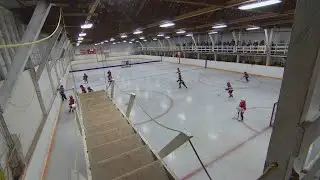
{"points": [[115, 148], [122, 164], [108, 136], [105, 126], [102, 112], [102, 120], [153, 171]]}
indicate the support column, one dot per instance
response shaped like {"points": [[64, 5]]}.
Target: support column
{"points": [[268, 38], [215, 56], [22, 54], [198, 55], [130, 105], [297, 121], [238, 58]]}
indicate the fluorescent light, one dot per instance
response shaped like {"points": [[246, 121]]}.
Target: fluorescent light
{"points": [[137, 41], [79, 41], [102, 42], [145, 40], [154, 39], [167, 24], [86, 26], [252, 28], [82, 34], [112, 39], [138, 31], [95, 44], [124, 41], [123, 36], [130, 42], [181, 31], [114, 43], [141, 38], [78, 44], [212, 32], [219, 26], [106, 41], [167, 37], [160, 35], [132, 39], [80, 38], [118, 42], [189, 35], [259, 4]]}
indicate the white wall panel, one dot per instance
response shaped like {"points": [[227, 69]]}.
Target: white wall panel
{"points": [[45, 88], [23, 114]]}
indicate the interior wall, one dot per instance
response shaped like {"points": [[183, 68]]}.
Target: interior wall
{"points": [[111, 50], [23, 113]]}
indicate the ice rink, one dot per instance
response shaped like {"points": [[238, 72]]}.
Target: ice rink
{"points": [[230, 149]]}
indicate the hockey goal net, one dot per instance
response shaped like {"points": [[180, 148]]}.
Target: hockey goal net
{"points": [[273, 114], [125, 64]]}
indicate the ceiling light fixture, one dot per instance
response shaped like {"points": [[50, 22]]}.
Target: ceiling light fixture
{"points": [[212, 32], [189, 35], [86, 26], [106, 41], [138, 31], [154, 39], [167, 37], [78, 44], [112, 39], [114, 43], [141, 38], [252, 28], [132, 39], [118, 42], [80, 38], [124, 41], [102, 42], [82, 34], [259, 4], [219, 26], [130, 42], [123, 36], [160, 35], [181, 31], [167, 24], [145, 40]]}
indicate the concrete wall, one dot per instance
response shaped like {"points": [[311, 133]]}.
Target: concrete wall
{"points": [[267, 71], [109, 49]]}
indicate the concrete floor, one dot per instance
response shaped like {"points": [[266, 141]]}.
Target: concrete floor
{"points": [[223, 143], [67, 145]]}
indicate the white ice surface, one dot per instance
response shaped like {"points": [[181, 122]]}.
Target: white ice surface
{"points": [[230, 149]]}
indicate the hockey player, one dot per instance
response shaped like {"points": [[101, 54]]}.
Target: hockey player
{"points": [[246, 76], [83, 89], [109, 76], [180, 79], [90, 89], [229, 89], [72, 105], [242, 108], [85, 78]]}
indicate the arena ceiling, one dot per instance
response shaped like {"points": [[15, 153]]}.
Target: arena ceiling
{"points": [[113, 17]]}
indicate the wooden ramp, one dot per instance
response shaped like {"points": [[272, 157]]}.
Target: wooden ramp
{"points": [[115, 150]]}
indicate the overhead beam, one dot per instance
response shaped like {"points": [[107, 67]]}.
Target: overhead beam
{"points": [[228, 4], [79, 14], [189, 2]]}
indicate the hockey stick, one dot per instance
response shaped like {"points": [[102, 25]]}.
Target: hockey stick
{"points": [[219, 94]]}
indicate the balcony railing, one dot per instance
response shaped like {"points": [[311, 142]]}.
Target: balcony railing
{"points": [[278, 49]]}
